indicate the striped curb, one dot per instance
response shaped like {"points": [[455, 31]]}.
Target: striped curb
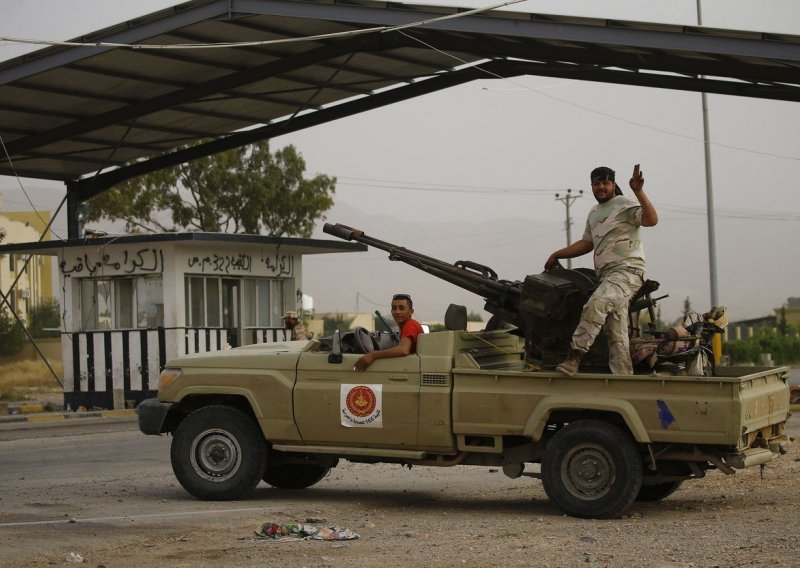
{"points": [[60, 416]]}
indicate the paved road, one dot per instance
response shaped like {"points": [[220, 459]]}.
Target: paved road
{"points": [[58, 490]]}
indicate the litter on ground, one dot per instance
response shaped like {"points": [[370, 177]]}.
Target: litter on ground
{"points": [[300, 531]]}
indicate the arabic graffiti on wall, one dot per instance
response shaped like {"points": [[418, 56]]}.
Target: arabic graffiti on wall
{"points": [[232, 263], [148, 260], [226, 263], [279, 265]]}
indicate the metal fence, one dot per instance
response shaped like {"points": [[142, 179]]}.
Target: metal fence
{"points": [[98, 364]]}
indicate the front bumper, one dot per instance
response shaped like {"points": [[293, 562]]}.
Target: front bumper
{"points": [[152, 415]]}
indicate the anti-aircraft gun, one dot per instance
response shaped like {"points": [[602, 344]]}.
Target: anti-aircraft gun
{"points": [[544, 308]]}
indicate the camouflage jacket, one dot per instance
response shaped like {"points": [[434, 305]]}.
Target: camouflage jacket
{"points": [[613, 229]]}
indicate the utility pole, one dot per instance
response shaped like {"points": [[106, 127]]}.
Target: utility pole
{"points": [[716, 342], [567, 200]]}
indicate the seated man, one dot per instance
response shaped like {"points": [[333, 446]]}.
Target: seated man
{"points": [[402, 310]]}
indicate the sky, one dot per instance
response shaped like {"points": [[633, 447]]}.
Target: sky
{"points": [[471, 172]]}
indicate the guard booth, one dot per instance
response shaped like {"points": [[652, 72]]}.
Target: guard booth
{"points": [[130, 303]]}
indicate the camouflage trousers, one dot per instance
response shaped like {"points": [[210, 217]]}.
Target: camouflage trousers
{"points": [[607, 309]]}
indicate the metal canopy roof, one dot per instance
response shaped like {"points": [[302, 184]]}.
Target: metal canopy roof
{"points": [[67, 112], [290, 245]]}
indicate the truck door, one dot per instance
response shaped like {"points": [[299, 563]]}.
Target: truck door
{"points": [[335, 405]]}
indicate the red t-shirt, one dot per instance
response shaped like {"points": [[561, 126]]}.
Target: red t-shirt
{"points": [[411, 329]]}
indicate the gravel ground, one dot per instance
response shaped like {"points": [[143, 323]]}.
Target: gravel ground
{"points": [[463, 516]]}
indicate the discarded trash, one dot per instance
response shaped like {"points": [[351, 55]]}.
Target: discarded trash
{"points": [[74, 558], [300, 531]]}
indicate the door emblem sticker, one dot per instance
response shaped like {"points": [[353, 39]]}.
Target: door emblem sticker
{"points": [[361, 405]]}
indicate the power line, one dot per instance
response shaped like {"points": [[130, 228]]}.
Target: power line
{"points": [[257, 43], [735, 214], [420, 186], [746, 214], [599, 112]]}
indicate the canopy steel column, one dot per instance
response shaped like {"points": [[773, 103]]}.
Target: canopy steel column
{"points": [[73, 209]]}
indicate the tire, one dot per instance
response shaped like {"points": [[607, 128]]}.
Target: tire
{"points": [[652, 493], [592, 469], [298, 476], [218, 453]]}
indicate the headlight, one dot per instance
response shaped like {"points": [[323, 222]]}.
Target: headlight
{"points": [[167, 376]]}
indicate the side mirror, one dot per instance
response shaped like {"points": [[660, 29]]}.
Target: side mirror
{"points": [[335, 356]]}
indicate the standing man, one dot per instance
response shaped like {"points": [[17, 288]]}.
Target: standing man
{"points": [[291, 321], [402, 310], [612, 232]]}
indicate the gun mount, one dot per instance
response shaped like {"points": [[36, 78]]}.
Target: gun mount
{"points": [[545, 308]]}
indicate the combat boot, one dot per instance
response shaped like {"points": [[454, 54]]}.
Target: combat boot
{"points": [[572, 363]]}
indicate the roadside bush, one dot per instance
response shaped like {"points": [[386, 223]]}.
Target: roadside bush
{"points": [[12, 338], [785, 349], [46, 314]]}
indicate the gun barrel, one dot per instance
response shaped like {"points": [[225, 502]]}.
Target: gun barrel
{"points": [[544, 309], [468, 275]]}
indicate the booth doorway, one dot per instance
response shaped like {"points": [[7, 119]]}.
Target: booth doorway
{"points": [[231, 306]]}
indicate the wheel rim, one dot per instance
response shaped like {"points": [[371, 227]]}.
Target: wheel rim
{"points": [[588, 471], [216, 455]]}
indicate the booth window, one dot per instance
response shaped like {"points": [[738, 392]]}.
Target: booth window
{"points": [[263, 302], [122, 303], [203, 301], [212, 301]]}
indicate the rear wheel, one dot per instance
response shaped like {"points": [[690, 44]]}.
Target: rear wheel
{"points": [[592, 469], [650, 493], [297, 476], [218, 453]]}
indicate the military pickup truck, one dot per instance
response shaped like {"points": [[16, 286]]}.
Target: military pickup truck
{"points": [[287, 412]]}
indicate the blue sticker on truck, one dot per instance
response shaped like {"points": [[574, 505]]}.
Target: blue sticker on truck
{"points": [[664, 414]]}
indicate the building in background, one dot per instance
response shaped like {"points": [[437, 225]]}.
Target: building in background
{"points": [[790, 310], [788, 313], [36, 283]]}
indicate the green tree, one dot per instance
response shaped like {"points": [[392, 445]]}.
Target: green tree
{"points": [[45, 315], [472, 316], [12, 338], [331, 323], [244, 190], [783, 326]]}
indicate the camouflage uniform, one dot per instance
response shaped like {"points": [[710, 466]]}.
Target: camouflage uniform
{"points": [[613, 229], [298, 331]]}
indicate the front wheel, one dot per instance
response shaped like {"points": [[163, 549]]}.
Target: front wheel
{"points": [[218, 453], [592, 469]]}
